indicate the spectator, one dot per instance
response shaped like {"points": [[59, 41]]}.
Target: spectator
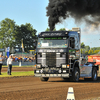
{"points": [[16, 59], [32, 59], [9, 64], [6, 58], [24, 58], [1, 61]]}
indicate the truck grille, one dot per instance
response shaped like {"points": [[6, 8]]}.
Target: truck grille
{"points": [[51, 59], [60, 59]]}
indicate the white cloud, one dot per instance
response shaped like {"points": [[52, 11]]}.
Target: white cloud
{"points": [[66, 29], [91, 29]]}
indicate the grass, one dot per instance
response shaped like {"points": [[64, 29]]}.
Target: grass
{"points": [[26, 73]]}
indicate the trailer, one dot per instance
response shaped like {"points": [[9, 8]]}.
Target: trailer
{"points": [[94, 58]]}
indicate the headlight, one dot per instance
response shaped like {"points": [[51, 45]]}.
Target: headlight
{"points": [[38, 66], [59, 71], [67, 66], [63, 66]]}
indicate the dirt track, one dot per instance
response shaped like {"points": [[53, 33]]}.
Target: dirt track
{"points": [[31, 88], [4, 69]]}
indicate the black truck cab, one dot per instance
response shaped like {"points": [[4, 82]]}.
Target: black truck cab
{"points": [[58, 55]]}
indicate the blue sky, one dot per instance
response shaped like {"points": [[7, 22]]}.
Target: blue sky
{"points": [[34, 12]]}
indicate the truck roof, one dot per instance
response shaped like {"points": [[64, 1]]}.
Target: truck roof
{"points": [[56, 33]]}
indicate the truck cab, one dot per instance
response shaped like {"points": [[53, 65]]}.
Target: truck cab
{"points": [[58, 55]]}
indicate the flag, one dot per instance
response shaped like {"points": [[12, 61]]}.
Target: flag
{"points": [[22, 45], [8, 51]]}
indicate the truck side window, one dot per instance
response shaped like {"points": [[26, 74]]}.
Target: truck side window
{"points": [[72, 42]]}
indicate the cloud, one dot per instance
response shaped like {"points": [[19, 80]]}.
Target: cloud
{"points": [[94, 28]]}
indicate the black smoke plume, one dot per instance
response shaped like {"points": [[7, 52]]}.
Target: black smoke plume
{"points": [[78, 9]]}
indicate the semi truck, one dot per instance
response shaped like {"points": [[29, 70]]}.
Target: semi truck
{"points": [[58, 54]]}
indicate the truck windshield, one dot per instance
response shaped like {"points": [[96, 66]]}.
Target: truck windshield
{"points": [[52, 42]]}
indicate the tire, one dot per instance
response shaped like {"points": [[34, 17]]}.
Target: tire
{"points": [[44, 78], [76, 75], [94, 74]]}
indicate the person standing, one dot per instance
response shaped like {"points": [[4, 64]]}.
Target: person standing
{"points": [[1, 61], [9, 64]]}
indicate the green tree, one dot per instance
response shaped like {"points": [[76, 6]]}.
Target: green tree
{"points": [[62, 29], [69, 30], [81, 51], [90, 52], [48, 29], [82, 45], [86, 52], [28, 34], [95, 48], [96, 51], [87, 48], [82, 48], [54, 29], [7, 31]]}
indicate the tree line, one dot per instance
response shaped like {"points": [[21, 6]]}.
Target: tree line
{"points": [[89, 51], [12, 34]]}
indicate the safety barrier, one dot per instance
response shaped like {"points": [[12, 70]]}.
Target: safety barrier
{"points": [[21, 63]]}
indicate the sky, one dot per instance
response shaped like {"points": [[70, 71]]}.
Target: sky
{"points": [[34, 12]]}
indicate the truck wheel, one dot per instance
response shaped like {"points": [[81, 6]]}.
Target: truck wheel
{"points": [[44, 78], [76, 75], [94, 74]]}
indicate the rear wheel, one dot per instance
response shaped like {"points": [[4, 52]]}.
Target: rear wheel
{"points": [[94, 74], [44, 78], [76, 75]]}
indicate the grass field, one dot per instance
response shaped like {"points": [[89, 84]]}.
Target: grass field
{"points": [[26, 73]]}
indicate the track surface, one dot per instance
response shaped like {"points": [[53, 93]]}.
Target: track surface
{"points": [[4, 69], [31, 88]]}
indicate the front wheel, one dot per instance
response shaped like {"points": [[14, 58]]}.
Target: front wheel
{"points": [[44, 78], [76, 75], [94, 74]]}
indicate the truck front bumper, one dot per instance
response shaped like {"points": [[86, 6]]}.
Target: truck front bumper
{"points": [[53, 72], [52, 75]]}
